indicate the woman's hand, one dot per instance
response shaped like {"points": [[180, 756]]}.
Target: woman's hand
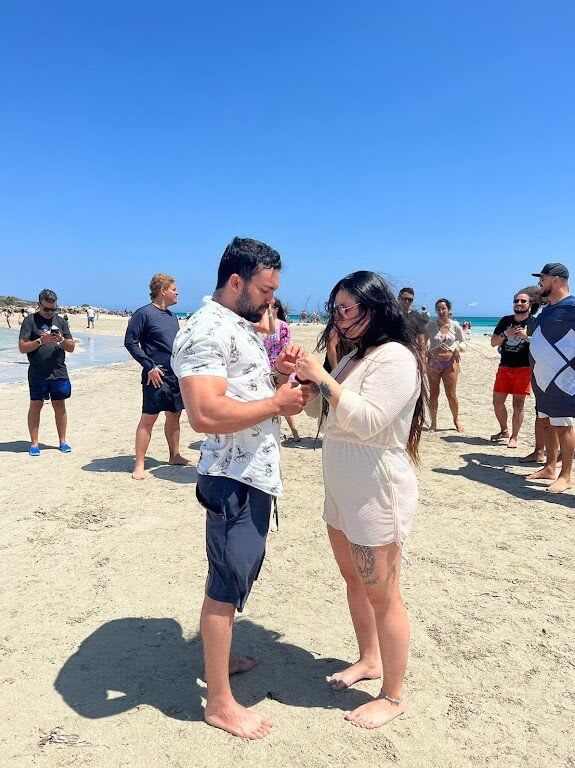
{"points": [[287, 358], [309, 368]]}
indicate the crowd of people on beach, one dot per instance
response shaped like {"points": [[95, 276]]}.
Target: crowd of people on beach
{"points": [[236, 371]]}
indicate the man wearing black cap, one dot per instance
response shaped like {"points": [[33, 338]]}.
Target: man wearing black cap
{"points": [[552, 353]]}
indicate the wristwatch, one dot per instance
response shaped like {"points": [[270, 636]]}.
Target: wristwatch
{"points": [[40, 342]]}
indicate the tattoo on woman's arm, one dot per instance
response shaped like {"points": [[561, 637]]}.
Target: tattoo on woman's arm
{"points": [[325, 389]]}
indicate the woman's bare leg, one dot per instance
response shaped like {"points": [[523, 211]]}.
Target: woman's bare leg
{"points": [[368, 665], [449, 377], [379, 570]]}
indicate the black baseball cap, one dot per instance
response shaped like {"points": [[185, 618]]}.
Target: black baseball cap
{"points": [[554, 269]]}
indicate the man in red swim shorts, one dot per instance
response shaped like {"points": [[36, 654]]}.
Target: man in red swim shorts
{"points": [[514, 372]]}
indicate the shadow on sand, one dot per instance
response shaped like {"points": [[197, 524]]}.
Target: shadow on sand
{"points": [[133, 661], [159, 469], [491, 470]]}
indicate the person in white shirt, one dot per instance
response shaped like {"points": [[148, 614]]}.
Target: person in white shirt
{"points": [[229, 393]]}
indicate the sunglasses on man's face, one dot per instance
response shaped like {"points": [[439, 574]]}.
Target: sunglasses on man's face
{"points": [[44, 308], [520, 301]]}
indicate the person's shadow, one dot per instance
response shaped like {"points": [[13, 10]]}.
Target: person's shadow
{"points": [[162, 470], [133, 661], [492, 470], [23, 446]]}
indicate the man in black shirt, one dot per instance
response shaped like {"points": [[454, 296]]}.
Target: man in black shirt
{"points": [[149, 339], [45, 338], [514, 372], [415, 321]]}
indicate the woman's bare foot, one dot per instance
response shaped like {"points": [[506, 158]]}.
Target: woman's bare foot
{"points": [[542, 474], [375, 713], [560, 485], [361, 670], [535, 457], [139, 474], [242, 664], [512, 442], [459, 426], [238, 721], [179, 461]]}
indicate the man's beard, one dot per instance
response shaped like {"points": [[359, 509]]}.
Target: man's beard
{"points": [[246, 309], [544, 294]]}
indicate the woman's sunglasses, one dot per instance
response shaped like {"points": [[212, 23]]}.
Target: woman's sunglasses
{"points": [[340, 310]]}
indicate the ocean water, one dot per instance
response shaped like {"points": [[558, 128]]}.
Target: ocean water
{"points": [[93, 350], [479, 325]]}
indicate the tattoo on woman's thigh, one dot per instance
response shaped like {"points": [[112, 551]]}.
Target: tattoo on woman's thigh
{"points": [[364, 561]]}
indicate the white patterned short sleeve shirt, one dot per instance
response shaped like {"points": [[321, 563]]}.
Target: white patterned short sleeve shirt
{"points": [[217, 342]]}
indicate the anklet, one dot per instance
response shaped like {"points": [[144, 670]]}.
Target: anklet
{"points": [[391, 699]]}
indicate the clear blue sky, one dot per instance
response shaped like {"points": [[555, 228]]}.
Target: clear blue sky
{"points": [[431, 141]]}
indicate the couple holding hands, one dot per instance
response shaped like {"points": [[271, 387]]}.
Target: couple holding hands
{"points": [[375, 413]]}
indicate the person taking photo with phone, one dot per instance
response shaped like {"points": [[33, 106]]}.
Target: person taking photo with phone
{"points": [[45, 338]]}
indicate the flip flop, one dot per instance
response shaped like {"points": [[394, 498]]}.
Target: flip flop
{"points": [[496, 438], [65, 448], [34, 450]]}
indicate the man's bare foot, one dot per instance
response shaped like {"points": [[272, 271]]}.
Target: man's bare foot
{"points": [[459, 426], [361, 670], [139, 474], [179, 461], [543, 474], [560, 485], [238, 721], [240, 664], [433, 427], [535, 457], [512, 442], [375, 713]]}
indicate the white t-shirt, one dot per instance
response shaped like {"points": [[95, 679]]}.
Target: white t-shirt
{"points": [[217, 342]]}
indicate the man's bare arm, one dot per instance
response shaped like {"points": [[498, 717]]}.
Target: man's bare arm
{"points": [[210, 411]]}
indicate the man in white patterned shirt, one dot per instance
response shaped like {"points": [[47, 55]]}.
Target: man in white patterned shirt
{"points": [[230, 394]]}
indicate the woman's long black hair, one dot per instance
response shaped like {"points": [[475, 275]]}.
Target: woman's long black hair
{"points": [[386, 323], [280, 308]]}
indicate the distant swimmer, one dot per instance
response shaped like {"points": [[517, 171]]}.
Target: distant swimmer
{"points": [[149, 339]]}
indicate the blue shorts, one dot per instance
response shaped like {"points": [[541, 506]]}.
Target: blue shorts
{"points": [[50, 389], [237, 523], [164, 398]]}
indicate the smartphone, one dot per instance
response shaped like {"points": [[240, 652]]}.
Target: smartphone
{"points": [[54, 330]]}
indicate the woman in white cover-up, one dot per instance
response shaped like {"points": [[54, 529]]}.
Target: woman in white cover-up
{"points": [[371, 434]]}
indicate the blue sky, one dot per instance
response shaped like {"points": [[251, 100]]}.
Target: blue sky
{"points": [[430, 141]]}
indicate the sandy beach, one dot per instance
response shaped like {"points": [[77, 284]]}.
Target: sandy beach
{"points": [[103, 577]]}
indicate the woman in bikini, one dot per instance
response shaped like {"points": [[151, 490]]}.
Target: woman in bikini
{"points": [[371, 436], [445, 343]]}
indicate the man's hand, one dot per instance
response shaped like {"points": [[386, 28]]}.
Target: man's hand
{"points": [[511, 332], [521, 333], [155, 378], [287, 358], [56, 338], [290, 399], [48, 338]]}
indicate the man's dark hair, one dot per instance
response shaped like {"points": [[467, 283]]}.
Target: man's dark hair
{"points": [[48, 296], [407, 289], [245, 257]]}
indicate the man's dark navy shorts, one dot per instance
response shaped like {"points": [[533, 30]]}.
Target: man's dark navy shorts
{"points": [[237, 523], [50, 389], [164, 398]]}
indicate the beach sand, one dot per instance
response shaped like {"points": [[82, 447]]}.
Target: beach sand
{"points": [[103, 579]]}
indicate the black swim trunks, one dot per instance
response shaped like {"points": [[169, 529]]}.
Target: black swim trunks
{"points": [[164, 398], [237, 523]]}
